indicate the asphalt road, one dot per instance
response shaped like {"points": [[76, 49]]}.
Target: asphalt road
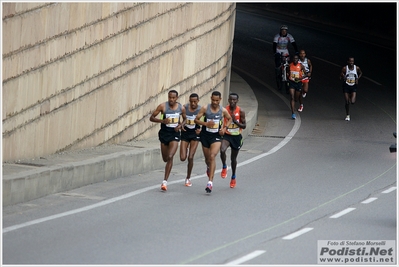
{"points": [[293, 177]]}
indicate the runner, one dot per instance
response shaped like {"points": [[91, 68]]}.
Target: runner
{"points": [[190, 135], [212, 130], [232, 137], [350, 74], [295, 82], [307, 75], [169, 134]]}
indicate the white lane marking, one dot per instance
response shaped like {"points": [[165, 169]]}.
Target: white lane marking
{"points": [[134, 193], [369, 200], [339, 214], [263, 40], [297, 233], [389, 190], [329, 62], [290, 135], [75, 211], [248, 257]]}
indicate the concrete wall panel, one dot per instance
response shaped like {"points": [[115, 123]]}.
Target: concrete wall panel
{"points": [[79, 75]]}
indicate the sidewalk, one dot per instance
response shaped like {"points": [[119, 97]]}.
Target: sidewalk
{"points": [[65, 171]]}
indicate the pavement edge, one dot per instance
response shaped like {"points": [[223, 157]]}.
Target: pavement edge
{"points": [[33, 183]]}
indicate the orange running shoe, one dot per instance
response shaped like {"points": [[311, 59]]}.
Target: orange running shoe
{"points": [[233, 183], [188, 183], [164, 187], [223, 174]]}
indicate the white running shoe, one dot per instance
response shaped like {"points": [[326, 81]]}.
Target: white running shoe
{"points": [[304, 95], [348, 118]]}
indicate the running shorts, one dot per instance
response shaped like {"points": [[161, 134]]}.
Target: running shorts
{"points": [[297, 86], [189, 135], [235, 141], [207, 139], [349, 88], [165, 137]]}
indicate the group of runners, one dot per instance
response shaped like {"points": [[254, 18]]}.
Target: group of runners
{"points": [[300, 69], [215, 126], [218, 127]]}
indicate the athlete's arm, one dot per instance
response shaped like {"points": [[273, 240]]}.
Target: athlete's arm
{"points": [[201, 113], [226, 115], [310, 68], [183, 115], [359, 71], [159, 109], [343, 74], [303, 71], [243, 122]]}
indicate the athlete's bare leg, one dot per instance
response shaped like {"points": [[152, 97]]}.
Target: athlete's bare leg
{"points": [[193, 148], [212, 152], [225, 145], [168, 152], [234, 154]]}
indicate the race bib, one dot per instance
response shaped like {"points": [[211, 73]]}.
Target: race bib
{"points": [[173, 120], [233, 128], [294, 74], [190, 124], [215, 127], [351, 79]]}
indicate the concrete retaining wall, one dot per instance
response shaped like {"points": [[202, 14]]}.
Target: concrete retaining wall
{"points": [[78, 75]]}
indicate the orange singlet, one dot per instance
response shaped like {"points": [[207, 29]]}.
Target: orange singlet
{"points": [[295, 71], [233, 128]]}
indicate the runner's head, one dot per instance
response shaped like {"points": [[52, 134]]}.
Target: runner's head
{"points": [[233, 99], [194, 99], [302, 54], [295, 59], [215, 98], [351, 61], [172, 97]]}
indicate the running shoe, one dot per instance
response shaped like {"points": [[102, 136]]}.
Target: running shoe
{"points": [[293, 116], [164, 186], [304, 95], [223, 174], [208, 187], [348, 118], [188, 183], [233, 183], [300, 108], [207, 171]]}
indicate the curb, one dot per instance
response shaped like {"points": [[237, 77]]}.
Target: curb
{"points": [[80, 168]]}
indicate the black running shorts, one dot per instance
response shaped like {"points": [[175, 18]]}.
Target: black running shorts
{"points": [[165, 137], [349, 88], [235, 141], [189, 135], [207, 139], [297, 86]]}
